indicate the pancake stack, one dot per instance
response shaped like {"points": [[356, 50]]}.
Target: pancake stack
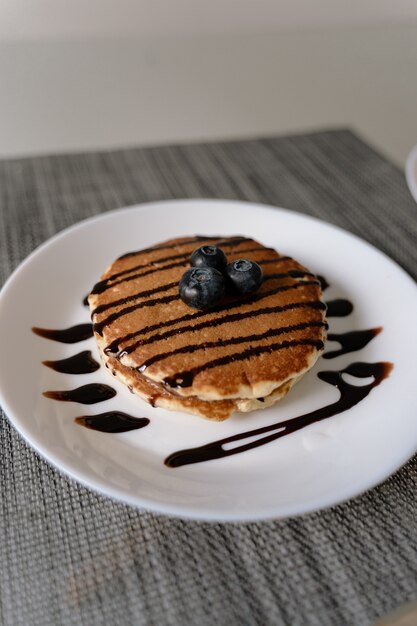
{"points": [[242, 355]]}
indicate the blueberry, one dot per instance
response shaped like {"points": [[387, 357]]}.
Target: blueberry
{"points": [[209, 256], [202, 287], [244, 276]]}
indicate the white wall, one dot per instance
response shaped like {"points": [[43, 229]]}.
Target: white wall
{"points": [[69, 19], [102, 90]]}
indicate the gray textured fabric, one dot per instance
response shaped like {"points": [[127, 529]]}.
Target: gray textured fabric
{"points": [[69, 556]]}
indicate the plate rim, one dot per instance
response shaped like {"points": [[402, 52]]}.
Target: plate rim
{"points": [[184, 511]]}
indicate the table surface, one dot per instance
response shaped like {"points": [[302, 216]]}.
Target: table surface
{"points": [[71, 556]]}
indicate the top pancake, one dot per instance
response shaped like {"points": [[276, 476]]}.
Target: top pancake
{"points": [[244, 348]]}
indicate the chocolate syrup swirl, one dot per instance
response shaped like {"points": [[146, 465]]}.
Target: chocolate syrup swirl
{"points": [[226, 319], [112, 422], [350, 395], [339, 308], [351, 342], [68, 335], [185, 378], [87, 394], [81, 363], [272, 332], [119, 422]]}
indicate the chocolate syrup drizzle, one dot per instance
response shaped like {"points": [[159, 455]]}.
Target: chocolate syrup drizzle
{"points": [[339, 308], [68, 335], [179, 259], [118, 422], [234, 317], [185, 378], [350, 395], [81, 363], [323, 282], [174, 285], [87, 394], [168, 246], [113, 348], [136, 296], [184, 256], [351, 342], [272, 332], [99, 326], [112, 422]]}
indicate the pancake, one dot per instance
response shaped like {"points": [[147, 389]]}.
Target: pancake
{"points": [[246, 348], [159, 396]]}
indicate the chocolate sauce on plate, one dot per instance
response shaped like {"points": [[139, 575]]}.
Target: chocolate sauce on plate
{"points": [[339, 308], [68, 335], [351, 342], [118, 422], [112, 422], [87, 394], [81, 363], [350, 395]]}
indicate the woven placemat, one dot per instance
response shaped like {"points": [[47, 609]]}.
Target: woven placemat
{"points": [[70, 556]]}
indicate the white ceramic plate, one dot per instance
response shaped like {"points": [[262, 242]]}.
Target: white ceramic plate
{"points": [[321, 465]]}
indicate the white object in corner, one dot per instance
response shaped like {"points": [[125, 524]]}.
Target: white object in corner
{"points": [[411, 172]]}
